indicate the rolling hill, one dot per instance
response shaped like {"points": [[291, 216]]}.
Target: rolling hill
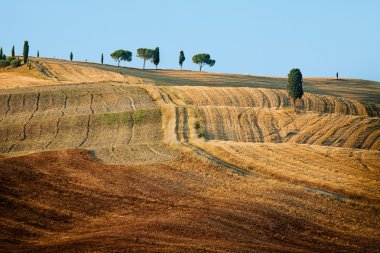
{"points": [[100, 158]]}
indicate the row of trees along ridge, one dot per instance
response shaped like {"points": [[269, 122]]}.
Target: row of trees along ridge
{"points": [[154, 56]]}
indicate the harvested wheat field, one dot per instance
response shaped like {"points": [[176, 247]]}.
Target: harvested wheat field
{"points": [[105, 159]]}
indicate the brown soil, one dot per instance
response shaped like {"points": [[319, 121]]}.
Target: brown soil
{"points": [[65, 201]]}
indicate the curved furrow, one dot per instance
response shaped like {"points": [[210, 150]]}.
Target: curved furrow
{"points": [[31, 117], [59, 120], [88, 120], [8, 108]]}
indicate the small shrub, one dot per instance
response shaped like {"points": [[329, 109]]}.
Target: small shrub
{"points": [[11, 58], [201, 135], [16, 63], [4, 63], [197, 125]]}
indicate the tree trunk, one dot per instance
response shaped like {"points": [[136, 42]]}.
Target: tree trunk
{"points": [[200, 67], [118, 63], [294, 104], [181, 66], [144, 63]]}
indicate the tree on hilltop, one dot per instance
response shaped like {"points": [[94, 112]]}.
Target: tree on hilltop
{"points": [[121, 55], [181, 58], [156, 56], [101, 58], [203, 59], [13, 52], [337, 75], [145, 53], [295, 81], [38, 54], [26, 51], [71, 56]]}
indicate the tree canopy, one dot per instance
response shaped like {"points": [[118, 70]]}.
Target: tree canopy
{"points": [[26, 51], [181, 58], [121, 55], [156, 56], [145, 53], [203, 59], [295, 81]]}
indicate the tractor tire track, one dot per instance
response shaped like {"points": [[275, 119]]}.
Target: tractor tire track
{"points": [[177, 124], [215, 160], [185, 125]]}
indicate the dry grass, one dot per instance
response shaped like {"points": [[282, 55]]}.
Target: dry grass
{"points": [[93, 116], [51, 72], [22, 77], [362, 90], [278, 126], [270, 98], [352, 172]]}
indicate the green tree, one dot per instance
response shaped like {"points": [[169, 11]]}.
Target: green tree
{"points": [[156, 56], [38, 54], [121, 55], [203, 59], [181, 58], [295, 81], [101, 59], [71, 56], [1, 53], [13, 51], [337, 75], [26, 51], [145, 53]]}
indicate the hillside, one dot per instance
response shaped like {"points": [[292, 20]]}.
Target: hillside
{"points": [[362, 90], [101, 158]]}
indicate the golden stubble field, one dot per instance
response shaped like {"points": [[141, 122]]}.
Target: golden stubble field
{"points": [[99, 158]]}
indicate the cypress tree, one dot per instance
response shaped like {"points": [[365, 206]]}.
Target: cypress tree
{"points": [[181, 58], [337, 75], [13, 51], [156, 56], [1, 53], [295, 81], [38, 54], [71, 56], [101, 59], [26, 51]]}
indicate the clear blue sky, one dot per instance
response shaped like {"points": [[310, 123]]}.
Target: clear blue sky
{"points": [[267, 37]]}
